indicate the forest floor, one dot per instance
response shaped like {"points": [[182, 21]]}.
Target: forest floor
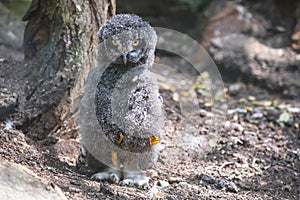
{"points": [[255, 155]]}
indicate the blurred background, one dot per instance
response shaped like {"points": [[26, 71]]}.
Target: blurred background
{"points": [[274, 24], [192, 17]]}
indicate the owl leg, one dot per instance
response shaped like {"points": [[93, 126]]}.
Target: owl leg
{"points": [[86, 163], [137, 179], [81, 159]]}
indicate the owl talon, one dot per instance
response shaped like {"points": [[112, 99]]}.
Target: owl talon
{"points": [[138, 180], [115, 178], [126, 182], [107, 175], [143, 184], [100, 176]]}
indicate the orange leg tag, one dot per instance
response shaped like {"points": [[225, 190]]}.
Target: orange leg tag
{"points": [[121, 138], [154, 140]]}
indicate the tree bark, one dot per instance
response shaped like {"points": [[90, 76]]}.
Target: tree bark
{"points": [[60, 45]]}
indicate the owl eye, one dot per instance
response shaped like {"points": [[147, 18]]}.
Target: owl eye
{"points": [[136, 43], [114, 42]]}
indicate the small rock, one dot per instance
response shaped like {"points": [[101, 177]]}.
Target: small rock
{"points": [[230, 111], [174, 180], [77, 183], [237, 127], [257, 115], [203, 113], [207, 178], [234, 88], [251, 98], [162, 183], [241, 110], [151, 173], [175, 96], [184, 184], [231, 187], [228, 185], [18, 182], [227, 125], [293, 110]]}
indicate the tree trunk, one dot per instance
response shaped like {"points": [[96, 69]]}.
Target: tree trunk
{"points": [[60, 44]]}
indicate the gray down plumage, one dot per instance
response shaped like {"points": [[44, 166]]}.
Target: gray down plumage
{"points": [[128, 110]]}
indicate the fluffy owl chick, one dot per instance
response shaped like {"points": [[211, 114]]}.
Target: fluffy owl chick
{"points": [[127, 105]]}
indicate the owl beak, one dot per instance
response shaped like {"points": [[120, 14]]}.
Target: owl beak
{"points": [[124, 56], [132, 56]]}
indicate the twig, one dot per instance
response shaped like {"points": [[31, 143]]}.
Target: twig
{"points": [[224, 165]]}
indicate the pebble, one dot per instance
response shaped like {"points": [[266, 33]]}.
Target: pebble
{"points": [[251, 98], [77, 183], [175, 96], [293, 110], [175, 180], [162, 183], [230, 111], [184, 184], [241, 110], [152, 173], [257, 115], [203, 113], [227, 125], [237, 127], [207, 178], [234, 88], [228, 185]]}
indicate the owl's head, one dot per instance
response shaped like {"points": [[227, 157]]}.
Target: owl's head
{"points": [[128, 40]]}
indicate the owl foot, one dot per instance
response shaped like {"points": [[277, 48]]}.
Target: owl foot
{"points": [[131, 179], [136, 179], [109, 175]]}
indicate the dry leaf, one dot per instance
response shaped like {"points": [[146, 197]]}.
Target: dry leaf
{"points": [[208, 104], [262, 103], [249, 108], [184, 93], [251, 98]]}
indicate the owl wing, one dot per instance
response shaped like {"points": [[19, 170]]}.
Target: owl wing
{"points": [[138, 106]]}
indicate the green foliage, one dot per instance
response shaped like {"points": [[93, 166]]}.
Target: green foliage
{"points": [[194, 5], [17, 7]]}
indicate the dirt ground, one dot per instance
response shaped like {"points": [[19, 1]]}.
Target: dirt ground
{"points": [[256, 154]]}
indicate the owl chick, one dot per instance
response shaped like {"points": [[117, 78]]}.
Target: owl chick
{"points": [[122, 113]]}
